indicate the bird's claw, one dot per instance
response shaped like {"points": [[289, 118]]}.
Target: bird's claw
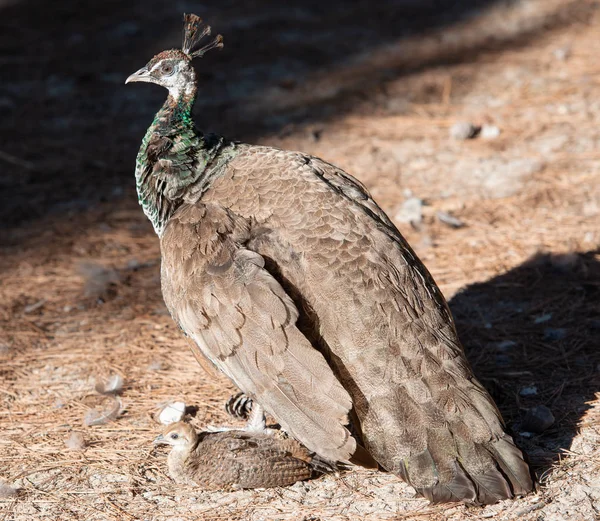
{"points": [[256, 423]]}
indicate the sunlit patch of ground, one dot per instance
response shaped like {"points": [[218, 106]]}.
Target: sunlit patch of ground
{"points": [[80, 298]]}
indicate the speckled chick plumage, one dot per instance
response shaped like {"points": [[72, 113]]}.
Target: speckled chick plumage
{"points": [[236, 459], [293, 282]]}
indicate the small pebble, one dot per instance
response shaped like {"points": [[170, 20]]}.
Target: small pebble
{"points": [[530, 390], [425, 242], [156, 365], [7, 491], [450, 220], [113, 385], [562, 53], [538, 419], [504, 345], [316, 134], [411, 211], [133, 264], [171, 413], [542, 318], [104, 416], [490, 132], [76, 441], [288, 83], [463, 130], [554, 333]]}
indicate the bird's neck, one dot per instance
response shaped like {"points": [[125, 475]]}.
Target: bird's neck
{"points": [[176, 463], [173, 159], [176, 113]]}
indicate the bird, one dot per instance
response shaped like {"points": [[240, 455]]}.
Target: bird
{"points": [[291, 280], [237, 459]]}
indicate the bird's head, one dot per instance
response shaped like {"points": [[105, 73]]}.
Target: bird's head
{"points": [[173, 69], [179, 435]]}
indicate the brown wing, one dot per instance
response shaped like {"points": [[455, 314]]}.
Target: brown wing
{"points": [[249, 460], [426, 416], [422, 412], [243, 321], [382, 323]]}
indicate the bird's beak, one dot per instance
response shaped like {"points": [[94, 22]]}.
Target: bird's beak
{"points": [[160, 439], [142, 75]]}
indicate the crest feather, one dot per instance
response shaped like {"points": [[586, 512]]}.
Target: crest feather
{"points": [[193, 33]]}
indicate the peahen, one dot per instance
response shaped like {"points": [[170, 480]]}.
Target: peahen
{"points": [[295, 284]]}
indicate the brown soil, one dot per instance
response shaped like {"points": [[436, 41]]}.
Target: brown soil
{"points": [[373, 87]]}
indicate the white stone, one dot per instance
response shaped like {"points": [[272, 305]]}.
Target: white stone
{"points": [[171, 413]]}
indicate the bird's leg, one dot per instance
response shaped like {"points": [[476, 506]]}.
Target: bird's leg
{"points": [[256, 420], [256, 423]]}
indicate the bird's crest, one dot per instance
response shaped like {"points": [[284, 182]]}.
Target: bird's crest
{"points": [[193, 33]]}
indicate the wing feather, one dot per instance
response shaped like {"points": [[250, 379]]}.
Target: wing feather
{"points": [[381, 321], [447, 426], [242, 320]]}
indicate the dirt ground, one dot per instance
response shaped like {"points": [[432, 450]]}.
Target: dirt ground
{"points": [[507, 221]]}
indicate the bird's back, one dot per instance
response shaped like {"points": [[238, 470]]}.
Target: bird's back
{"points": [[249, 460], [371, 307]]}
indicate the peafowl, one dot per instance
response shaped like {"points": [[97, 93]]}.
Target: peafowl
{"points": [[237, 459], [294, 283]]}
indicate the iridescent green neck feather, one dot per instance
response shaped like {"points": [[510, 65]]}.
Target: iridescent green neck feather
{"points": [[176, 162]]}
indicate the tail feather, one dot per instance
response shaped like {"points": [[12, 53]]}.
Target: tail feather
{"points": [[505, 476], [460, 488], [510, 460], [491, 486]]}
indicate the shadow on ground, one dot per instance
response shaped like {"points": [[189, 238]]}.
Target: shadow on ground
{"points": [[531, 336], [70, 129]]}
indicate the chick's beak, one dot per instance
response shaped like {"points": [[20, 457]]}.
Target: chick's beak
{"points": [[142, 75], [160, 439]]}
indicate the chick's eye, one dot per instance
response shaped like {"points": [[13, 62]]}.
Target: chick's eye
{"points": [[174, 436], [166, 69]]}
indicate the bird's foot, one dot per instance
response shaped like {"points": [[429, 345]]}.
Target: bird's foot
{"points": [[239, 406], [256, 423]]}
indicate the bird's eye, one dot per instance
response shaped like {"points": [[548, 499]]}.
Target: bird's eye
{"points": [[166, 69], [174, 436]]}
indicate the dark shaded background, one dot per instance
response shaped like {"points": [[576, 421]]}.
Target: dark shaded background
{"points": [[536, 326], [70, 128]]}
